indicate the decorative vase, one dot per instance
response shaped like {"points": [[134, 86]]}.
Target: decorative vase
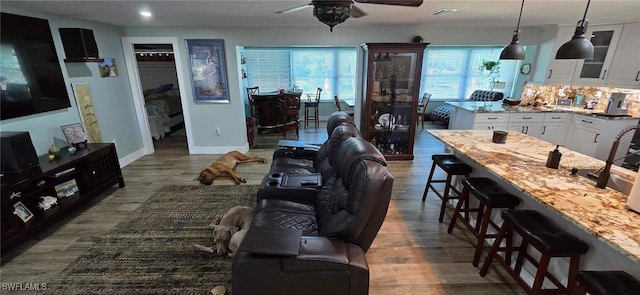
{"points": [[54, 150], [72, 150]]}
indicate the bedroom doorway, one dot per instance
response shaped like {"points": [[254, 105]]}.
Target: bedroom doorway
{"points": [[156, 80]]}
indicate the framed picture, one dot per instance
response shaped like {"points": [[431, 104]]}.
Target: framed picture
{"points": [[66, 189], [74, 133], [208, 70], [108, 67], [22, 211]]}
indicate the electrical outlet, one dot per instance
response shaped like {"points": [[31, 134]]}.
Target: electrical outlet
{"points": [[218, 133]]}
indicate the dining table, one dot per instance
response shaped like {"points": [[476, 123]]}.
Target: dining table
{"points": [[269, 107]]}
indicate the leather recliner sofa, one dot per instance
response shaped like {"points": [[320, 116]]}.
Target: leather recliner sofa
{"points": [[336, 231]]}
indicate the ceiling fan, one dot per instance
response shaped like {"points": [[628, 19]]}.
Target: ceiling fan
{"points": [[333, 12]]}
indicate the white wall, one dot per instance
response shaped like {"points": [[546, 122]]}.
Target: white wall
{"points": [[230, 117]]}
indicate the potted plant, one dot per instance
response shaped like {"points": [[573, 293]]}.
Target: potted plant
{"points": [[490, 65]]}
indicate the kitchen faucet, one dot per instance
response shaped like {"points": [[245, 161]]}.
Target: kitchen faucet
{"points": [[603, 177]]}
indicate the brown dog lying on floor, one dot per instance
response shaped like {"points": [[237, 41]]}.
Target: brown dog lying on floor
{"points": [[225, 165]]}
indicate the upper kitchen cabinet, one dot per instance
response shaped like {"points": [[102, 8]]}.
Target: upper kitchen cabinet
{"points": [[594, 71], [560, 70], [391, 89], [625, 67]]}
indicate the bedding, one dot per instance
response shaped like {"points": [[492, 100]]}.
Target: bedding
{"points": [[164, 110]]}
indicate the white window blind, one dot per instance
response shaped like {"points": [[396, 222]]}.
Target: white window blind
{"points": [[454, 72], [332, 69]]}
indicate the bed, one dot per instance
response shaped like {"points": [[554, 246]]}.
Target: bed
{"points": [[164, 110]]}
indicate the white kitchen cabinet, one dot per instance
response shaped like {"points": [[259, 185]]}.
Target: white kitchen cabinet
{"points": [[491, 121], [595, 136], [554, 127], [594, 71], [527, 123], [625, 67], [561, 70]]}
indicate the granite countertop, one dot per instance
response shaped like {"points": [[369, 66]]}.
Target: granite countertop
{"points": [[521, 162], [499, 107]]}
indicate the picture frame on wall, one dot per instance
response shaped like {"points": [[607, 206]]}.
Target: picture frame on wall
{"points": [[207, 67], [22, 211]]}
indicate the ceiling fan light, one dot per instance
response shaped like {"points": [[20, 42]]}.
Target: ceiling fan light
{"points": [[514, 51], [579, 47], [332, 14]]}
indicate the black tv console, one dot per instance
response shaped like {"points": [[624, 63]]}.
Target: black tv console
{"points": [[71, 179]]}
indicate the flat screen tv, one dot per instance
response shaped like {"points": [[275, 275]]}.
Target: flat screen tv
{"points": [[30, 73]]}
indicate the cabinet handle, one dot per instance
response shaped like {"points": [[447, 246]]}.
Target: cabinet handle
{"points": [[550, 71], [556, 118], [604, 74], [527, 132], [526, 118], [522, 130], [590, 122], [492, 118], [596, 138], [488, 127], [544, 129], [638, 76]]}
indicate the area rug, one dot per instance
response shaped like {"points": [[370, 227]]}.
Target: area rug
{"points": [[151, 251]]}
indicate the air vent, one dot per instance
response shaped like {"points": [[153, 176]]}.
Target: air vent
{"points": [[444, 11]]}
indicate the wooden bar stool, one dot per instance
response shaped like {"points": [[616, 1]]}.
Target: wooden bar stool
{"points": [[606, 283], [490, 195], [551, 241], [313, 107], [451, 166]]}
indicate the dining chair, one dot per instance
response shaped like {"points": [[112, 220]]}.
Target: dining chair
{"points": [[291, 113], [252, 105], [338, 107], [422, 108], [312, 106]]}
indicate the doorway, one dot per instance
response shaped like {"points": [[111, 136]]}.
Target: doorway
{"points": [[157, 83]]}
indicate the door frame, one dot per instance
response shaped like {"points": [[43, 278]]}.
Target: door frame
{"points": [[136, 86]]}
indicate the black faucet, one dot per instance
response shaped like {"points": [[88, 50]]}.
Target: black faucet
{"points": [[603, 177]]}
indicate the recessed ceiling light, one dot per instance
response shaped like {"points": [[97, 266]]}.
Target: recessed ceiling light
{"points": [[145, 13], [444, 11]]}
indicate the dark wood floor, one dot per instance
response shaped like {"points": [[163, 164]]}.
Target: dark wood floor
{"points": [[412, 253]]}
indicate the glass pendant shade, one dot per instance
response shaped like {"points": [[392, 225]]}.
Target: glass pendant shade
{"points": [[514, 50], [333, 14], [579, 47]]}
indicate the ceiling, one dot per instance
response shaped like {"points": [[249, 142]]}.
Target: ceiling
{"points": [[261, 12]]}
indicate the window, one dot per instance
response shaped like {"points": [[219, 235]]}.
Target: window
{"points": [[332, 69], [455, 72]]}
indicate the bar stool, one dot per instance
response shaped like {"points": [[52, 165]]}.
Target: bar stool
{"points": [[451, 166], [313, 107], [551, 241], [490, 195], [606, 283]]}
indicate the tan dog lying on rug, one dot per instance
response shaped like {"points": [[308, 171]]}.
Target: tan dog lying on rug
{"points": [[225, 165], [229, 231]]}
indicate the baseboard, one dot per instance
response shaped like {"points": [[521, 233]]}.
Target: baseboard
{"points": [[130, 158], [217, 150]]}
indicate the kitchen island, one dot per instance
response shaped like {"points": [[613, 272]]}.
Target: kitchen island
{"points": [[596, 216], [581, 130]]}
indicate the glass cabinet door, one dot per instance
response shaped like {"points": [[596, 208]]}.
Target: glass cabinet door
{"points": [[604, 40], [391, 106]]}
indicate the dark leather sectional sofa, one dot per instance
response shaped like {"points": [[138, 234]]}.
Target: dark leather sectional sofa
{"points": [[313, 240]]}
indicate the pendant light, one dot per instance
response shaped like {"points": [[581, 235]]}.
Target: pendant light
{"points": [[515, 49], [579, 47]]}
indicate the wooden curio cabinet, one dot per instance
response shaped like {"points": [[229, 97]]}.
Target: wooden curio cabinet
{"points": [[391, 89]]}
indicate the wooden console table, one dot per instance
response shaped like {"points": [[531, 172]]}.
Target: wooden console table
{"points": [[93, 170]]}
